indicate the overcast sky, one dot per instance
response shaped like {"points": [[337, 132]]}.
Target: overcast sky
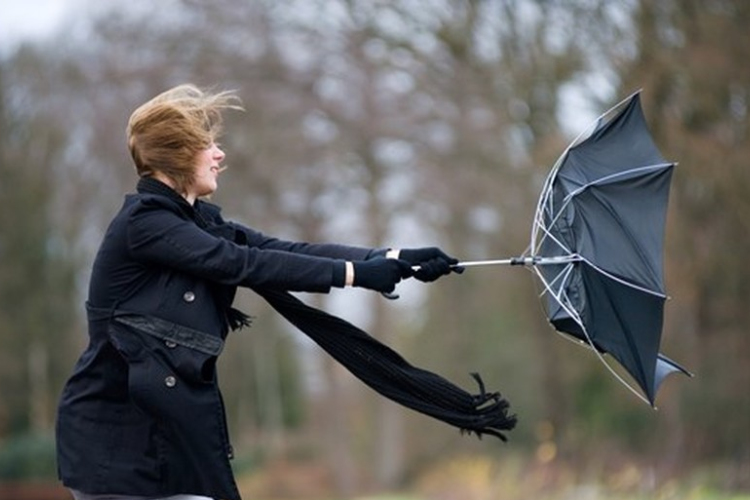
{"points": [[29, 19], [21, 19]]}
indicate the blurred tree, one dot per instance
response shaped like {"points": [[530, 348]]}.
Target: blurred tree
{"points": [[37, 272], [487, 80], [687, 57]]}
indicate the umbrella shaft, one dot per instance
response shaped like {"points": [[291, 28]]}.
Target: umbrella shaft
{"points": [[495, 262], [521, 261], [516, 261]]}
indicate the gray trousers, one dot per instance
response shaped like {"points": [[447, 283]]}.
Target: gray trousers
{"points": [[83, 496]]}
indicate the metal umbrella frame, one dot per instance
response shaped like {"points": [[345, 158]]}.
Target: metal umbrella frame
{"points": [[554, 261]]}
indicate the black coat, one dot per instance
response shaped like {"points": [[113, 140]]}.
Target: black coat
{"points": [[142, 413]]}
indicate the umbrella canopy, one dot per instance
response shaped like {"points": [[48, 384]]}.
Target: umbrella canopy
{"points": [[597, 244]]}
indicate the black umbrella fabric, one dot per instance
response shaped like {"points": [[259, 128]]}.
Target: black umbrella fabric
{"points": [[597, 244]]}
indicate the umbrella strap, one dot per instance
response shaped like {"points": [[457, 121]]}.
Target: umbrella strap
{"points": [[385, 371]]}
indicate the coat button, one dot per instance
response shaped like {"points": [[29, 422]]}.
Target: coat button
{"points": [[170, 343], [170, 381], [188, 296]]}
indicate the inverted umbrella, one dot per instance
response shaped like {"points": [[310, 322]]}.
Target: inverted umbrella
{"points": [[597, 245]]}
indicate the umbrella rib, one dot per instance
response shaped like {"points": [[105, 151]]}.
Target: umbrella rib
{"points": [[549, 235], [630, 343], [613, 372], [637, 248], [543, 203], [565, 304], [622, 281], [584, 135], [606, 179], [550, 289], [625, 173], [556, 240], [540, 224], [563, 300], [561, 276]]}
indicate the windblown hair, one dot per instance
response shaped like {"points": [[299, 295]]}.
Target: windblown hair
{"points": [[166, 133]]}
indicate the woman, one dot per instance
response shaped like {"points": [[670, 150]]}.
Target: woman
{"points": [[142, 415]]}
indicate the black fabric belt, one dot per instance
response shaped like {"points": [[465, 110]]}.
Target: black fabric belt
{"points": [[161, 329]]}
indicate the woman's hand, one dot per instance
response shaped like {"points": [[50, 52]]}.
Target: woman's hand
{"points": [[380, 274], [433, 262]]}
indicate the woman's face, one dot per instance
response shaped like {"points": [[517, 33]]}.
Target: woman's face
{"points": [[207, 169]]}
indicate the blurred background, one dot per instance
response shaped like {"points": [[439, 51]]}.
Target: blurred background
{"points": [[394, 123]]}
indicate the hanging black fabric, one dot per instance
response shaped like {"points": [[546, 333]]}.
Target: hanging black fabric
{"points": [[385, 371]]}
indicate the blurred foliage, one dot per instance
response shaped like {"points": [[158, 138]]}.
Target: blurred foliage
{"points": [[28, 456], [479, 477], [38, 296], [398, 123]]}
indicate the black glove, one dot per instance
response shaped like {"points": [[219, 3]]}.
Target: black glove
{"points": [[381, 274], [432, 269], [432, 261]]}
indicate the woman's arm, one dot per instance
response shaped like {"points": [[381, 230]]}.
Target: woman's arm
{"points": [[159, 236], [329, 250]]}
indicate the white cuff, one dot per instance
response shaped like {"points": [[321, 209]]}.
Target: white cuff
{"points": [[393, 253], [349, 274]]}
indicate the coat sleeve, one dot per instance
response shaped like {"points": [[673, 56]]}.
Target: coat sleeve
{"points": [[159, 236], [335, 251]]}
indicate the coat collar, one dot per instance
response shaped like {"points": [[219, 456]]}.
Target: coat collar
{"points": [[149, 185]]}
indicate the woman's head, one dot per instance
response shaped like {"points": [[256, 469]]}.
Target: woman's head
{"points": [[167, 133]]}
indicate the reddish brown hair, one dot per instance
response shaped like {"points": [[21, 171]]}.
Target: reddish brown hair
{"points": [[166, 133]]}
